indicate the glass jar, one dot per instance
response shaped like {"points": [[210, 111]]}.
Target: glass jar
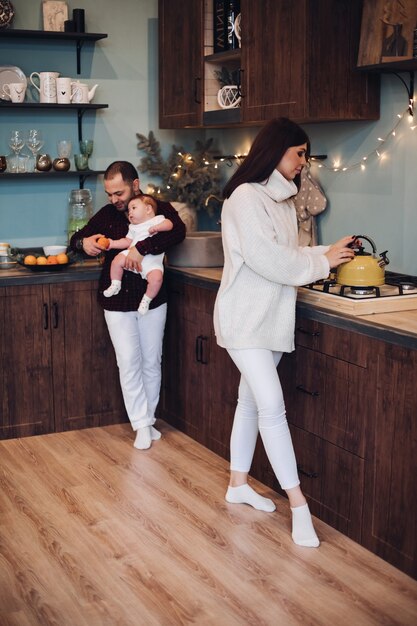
{"points": [[80, 210]]}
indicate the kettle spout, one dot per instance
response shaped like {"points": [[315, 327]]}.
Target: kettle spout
{"points": [[92, 92], [384, 260]]}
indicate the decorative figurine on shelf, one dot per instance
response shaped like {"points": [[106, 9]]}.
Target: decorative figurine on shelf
{"points": [[6, 13], [228, 95]]}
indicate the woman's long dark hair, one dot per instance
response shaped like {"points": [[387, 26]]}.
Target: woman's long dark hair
{"points": [[268, 148]]}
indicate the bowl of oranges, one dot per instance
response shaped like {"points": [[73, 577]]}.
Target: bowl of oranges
{"points": [[38, 262]]}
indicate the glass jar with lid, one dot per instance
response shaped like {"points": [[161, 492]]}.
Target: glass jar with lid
{"points": [[80, 210]]}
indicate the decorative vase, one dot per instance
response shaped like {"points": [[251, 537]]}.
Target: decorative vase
{"points": [[229, 97], [187, 214]]}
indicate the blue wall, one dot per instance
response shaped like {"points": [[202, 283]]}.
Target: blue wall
{"points": [[380, 201]]}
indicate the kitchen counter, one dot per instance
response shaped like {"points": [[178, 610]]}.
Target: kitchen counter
{"points": [[19, 275], [399, 328]]}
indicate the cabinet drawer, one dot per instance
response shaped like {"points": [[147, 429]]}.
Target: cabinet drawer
{"points": [[330, 398], [342, 344], [333, 481]]}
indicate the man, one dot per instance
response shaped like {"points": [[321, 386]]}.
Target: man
{"points": [[137, 339]]}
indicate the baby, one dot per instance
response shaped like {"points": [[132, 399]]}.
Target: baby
{"points": [[143, 222]]}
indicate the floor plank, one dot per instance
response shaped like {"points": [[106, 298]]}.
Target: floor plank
{"points": [[94, 532]]}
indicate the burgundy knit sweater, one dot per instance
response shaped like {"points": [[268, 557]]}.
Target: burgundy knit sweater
{"points": [[112, 223]]}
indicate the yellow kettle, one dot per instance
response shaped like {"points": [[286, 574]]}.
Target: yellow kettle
{"points": [[365, 269]]}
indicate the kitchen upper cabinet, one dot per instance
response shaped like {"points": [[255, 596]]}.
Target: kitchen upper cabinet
{"points": [[297, 59], [58, 369], [180, 63]]}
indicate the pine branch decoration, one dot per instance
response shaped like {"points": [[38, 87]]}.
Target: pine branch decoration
{"points": [[185, 176]]}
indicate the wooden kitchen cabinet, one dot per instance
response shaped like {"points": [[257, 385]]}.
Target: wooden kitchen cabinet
{"points": [[354, 432], [390, 512], [180, 63], [58, 365], [297, 59], [199, 388]]}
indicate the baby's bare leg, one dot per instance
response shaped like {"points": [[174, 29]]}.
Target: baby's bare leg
{"points": [[154, 278], [116, 273]]}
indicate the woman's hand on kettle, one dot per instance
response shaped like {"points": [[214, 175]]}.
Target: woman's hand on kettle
{"points": [[90, 245], [341, 252]]}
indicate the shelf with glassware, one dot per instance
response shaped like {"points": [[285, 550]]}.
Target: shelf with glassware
{"points": [[79, 38]]}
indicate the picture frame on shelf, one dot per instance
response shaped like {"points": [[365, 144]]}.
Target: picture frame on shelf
{"points": [[387, 31], [55, 13]]}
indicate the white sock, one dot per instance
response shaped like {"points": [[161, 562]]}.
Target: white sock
{"points": [[143, 439], [244, 494], [113, 290], [144, 304], [155, 434], [303, 533]]}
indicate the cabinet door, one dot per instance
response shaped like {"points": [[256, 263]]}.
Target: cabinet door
{"points": [[25, 362], [85, 376], [331, 399], [390, 520], [273, 59], [180, 63]]}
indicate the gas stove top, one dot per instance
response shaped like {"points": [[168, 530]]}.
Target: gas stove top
{"points": [[399, 293]]}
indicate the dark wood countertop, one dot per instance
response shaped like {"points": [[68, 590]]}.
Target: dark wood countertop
{"points": [[19, 275]]}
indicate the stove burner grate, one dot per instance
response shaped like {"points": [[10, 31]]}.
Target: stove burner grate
{"points": [[360, 290]]}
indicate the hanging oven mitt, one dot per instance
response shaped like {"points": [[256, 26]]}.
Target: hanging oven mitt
{"points": [[309, 201]]}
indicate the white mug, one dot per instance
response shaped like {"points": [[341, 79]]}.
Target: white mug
{"points": [[80, 93], [63, 90], [15, 91], [47, 85]]}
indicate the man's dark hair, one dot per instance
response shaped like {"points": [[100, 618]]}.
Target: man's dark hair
{"points": [[126, 169]]}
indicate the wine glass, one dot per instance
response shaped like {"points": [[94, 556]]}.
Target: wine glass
{"points": [[86, 148], [34, 142], [16, 143]]}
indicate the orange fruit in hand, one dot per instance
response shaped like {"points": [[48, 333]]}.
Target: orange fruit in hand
{"points": [[103, 243], [51, 260], [62, 258], [29, 260], [41, 260]]}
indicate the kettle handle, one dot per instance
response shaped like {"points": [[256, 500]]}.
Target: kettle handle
{"points": [[367, 239]]}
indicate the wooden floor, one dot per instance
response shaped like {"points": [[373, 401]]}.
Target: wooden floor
{"points": [[94, 532]]}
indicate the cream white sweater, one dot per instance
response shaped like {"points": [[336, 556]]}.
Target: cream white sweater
{"points": [[255, 305]]}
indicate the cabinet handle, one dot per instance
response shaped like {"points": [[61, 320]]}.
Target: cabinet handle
{"points": [[45, 316], [202, 359], [301, 330], [198, 349], [315, 394], [196, 90], [239, 83], [308, 474], [55, 315]]}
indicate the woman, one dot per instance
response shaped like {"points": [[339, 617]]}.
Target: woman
{"points": [[254, 315]]}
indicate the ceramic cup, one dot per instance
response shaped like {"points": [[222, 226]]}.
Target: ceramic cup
{"points": [[79, 93], [47, 85], [15, 91], [63, 90]]}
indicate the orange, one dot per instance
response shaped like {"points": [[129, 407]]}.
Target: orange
{"points": [[29, 260], [62, 258], [103, 243], [51, 260], [41, 260]]}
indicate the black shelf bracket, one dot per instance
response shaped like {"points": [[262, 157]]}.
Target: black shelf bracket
{"points": [[79, 45]]}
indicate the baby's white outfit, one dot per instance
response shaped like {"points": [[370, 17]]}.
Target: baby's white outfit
{"points": [[138, 232]]}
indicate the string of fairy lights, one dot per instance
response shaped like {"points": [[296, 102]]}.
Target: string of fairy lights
{"points": [[380, 152]]}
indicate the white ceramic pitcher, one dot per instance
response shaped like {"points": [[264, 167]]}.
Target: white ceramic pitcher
{"points": [[47, 85]]}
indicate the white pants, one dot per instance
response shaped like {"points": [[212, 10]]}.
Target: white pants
{"points": [[137, 341], [261, 407]]}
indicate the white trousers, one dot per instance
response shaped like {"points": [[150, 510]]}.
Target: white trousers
{"points": [[261, 407], [137, 341]]}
